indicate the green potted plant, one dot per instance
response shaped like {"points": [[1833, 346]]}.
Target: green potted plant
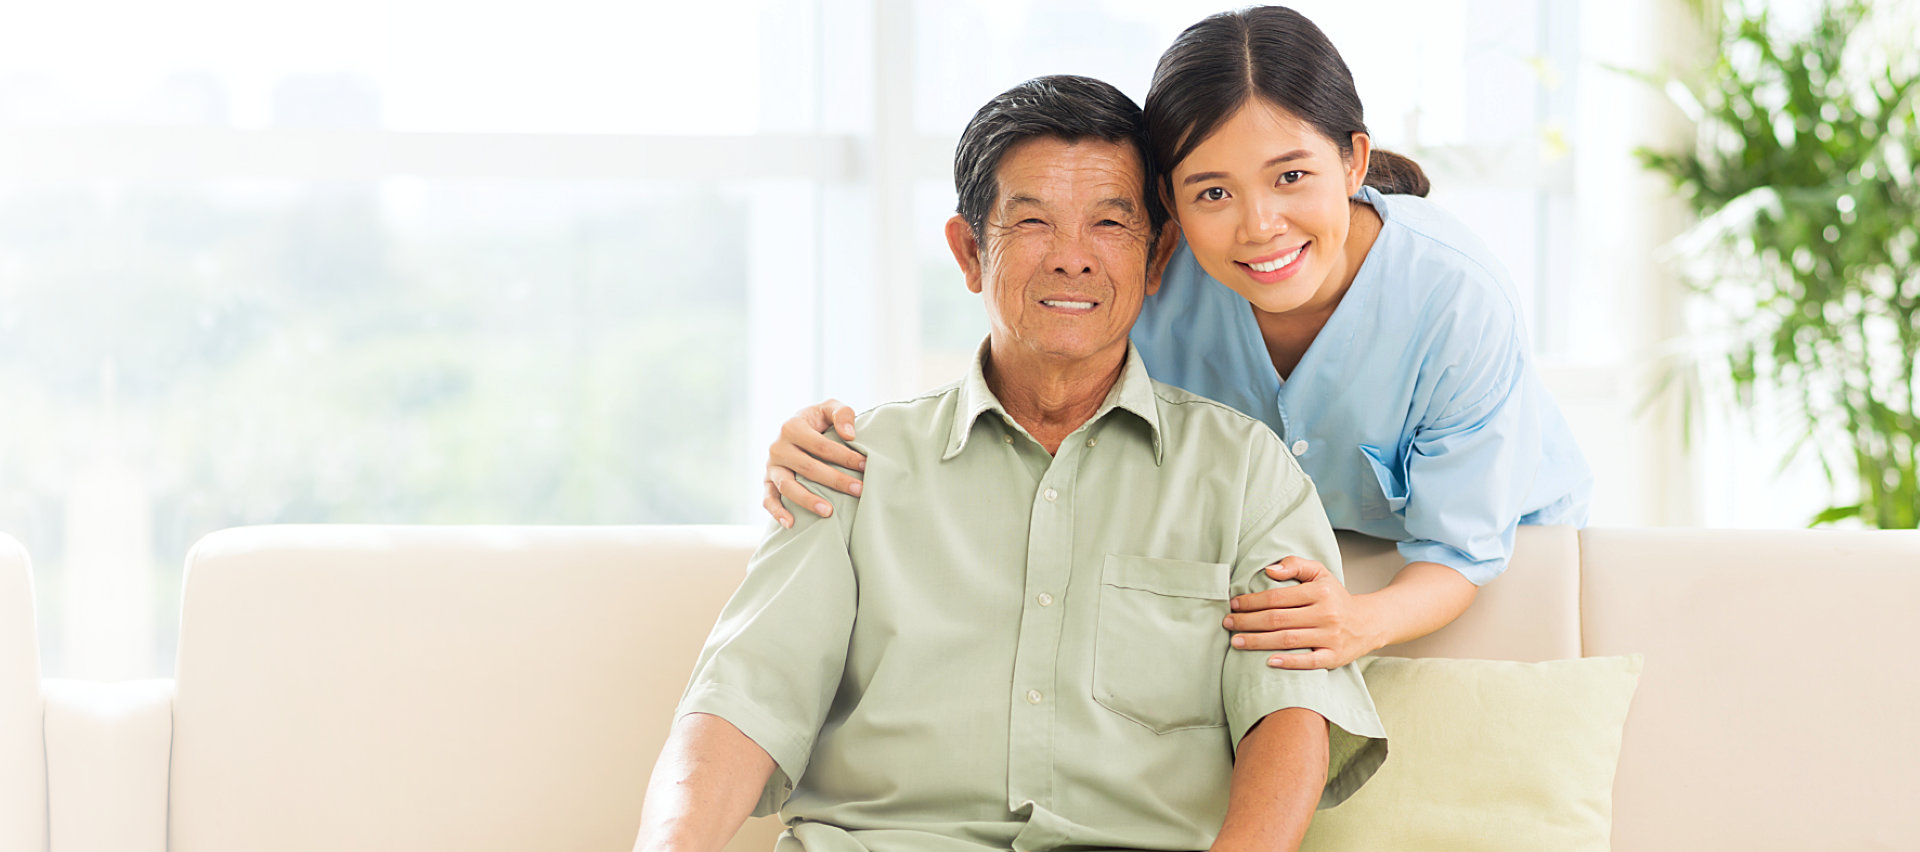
{"points": [[1807, 248]]}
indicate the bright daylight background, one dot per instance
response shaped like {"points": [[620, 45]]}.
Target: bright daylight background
{"points": [[438, 262]]}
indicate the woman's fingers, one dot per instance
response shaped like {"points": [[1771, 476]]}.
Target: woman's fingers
{"points": [[842, 417], [1269, 620], [800, 442], [1282, 640], [791, 489], [1285, 597], [811, 468], [771, 503], [1318, 658], [1298, 568], [830, 414]]}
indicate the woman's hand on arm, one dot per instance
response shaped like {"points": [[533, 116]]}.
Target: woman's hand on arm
{"points": [[804, 450], [1331, 627]]}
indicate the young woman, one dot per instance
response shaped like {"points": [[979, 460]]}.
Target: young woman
{"points": [[1317, 290]]}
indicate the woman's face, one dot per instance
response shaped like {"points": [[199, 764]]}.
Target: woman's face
{"points": [[1263, 204]]}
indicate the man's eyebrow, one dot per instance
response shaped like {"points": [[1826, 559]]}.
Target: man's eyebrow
{"points": [[1123, 203], [1296, 154]]}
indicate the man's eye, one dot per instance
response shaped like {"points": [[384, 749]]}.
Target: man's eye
{"points": [[1292, 177], [1212, 193], [1110, 222], [1032, 222]]}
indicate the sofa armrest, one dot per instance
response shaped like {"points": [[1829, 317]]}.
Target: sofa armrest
{"points": [[108, 747]]}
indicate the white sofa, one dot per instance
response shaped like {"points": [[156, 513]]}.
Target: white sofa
{"points": [[506, 688], [23, 762]]}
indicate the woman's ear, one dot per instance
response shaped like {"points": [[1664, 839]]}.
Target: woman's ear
{"points": [[966, 250], [1357, 163]]}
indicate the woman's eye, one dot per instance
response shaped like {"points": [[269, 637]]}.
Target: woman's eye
{"points": [[1212, 193], [1291, 177]]}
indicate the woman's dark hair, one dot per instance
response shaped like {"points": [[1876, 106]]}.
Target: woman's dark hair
{"points": [[1061, 106], [1278, 56]]}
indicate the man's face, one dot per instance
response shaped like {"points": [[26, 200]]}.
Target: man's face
{"points": [[1064, 266]]}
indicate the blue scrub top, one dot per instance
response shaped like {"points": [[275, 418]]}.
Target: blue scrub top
{"points": [[1417, 410]]}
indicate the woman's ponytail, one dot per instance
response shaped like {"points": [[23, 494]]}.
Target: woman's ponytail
{"points": [[1395, 174]]}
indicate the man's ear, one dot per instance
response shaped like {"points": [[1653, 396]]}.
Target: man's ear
{"points": [[1357, 164], [1162, 253], [966, 250]]}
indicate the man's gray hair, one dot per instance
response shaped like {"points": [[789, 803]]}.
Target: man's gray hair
{"points": [[1061, 106]]}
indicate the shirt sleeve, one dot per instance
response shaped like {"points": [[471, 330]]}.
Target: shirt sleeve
{"points": [[1472, 461], [1286, 519], [774, 659]]}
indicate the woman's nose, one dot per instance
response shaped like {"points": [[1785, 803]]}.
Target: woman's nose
{"points": [[1261, 221]]}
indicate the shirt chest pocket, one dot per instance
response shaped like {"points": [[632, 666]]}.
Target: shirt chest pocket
{"points": [[1159, 646]]}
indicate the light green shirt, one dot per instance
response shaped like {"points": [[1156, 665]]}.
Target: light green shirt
{"points": [[999, 648]]}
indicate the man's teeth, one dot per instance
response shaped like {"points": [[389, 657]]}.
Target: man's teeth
{"points": [[1278, 262], [1061, 303]]}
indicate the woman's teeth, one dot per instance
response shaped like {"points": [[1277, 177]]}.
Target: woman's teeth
{"points": [[1278, 262]]}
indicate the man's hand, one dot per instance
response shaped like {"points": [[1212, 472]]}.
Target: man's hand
{"points": [[1325, 625]]}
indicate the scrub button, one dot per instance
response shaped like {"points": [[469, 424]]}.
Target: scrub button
{"points": [[1299, 448]]}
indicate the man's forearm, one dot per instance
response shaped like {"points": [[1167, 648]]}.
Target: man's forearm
{"points": [[704, 786], [1277, 777]]}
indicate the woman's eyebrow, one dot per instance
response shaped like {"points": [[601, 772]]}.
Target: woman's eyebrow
{"points": [[1296, 154]]}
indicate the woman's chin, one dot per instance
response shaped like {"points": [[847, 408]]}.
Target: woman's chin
{"points": [[1283, 297]]}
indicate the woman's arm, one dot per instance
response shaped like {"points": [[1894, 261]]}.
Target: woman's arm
{"points": [[804, 450], [1337, 627]]}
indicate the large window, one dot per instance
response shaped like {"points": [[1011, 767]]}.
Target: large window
{"points": [[433, 262]]}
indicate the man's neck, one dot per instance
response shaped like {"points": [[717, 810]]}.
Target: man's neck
{"points": [[1050, 399]]}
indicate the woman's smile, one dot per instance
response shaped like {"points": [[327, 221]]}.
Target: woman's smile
{"points": [[1276, 267]]}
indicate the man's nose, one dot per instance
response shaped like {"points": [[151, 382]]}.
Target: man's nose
{"points": [[1072, 255]]}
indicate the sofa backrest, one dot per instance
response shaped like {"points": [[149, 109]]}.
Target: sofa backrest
{"points": [[484, 688], [1777, 709], [476, 688], [23, 760], [1530, 613]]}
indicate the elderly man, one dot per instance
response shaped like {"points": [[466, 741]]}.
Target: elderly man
{"points": [[1014, 640]]}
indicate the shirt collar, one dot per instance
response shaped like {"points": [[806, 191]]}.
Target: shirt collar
{"points": [[1133, 393]]}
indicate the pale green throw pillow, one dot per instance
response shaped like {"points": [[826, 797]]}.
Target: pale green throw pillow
{"points": [[1488, 755]]}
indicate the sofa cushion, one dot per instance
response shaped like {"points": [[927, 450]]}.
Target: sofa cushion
{"points": [[1776, 711], [1530, 613], [471, 688], [1488, 755]]}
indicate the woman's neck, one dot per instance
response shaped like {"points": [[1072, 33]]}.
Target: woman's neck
{"points": [[1289, 335]]}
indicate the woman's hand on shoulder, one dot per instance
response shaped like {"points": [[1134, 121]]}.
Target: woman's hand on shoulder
{"points": [[803, 449], [1323, 624]]}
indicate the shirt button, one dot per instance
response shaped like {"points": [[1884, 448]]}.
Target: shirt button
{"points": [[1044, 599], [1299, 448], [1006, 439], [1092, 441], [1033, 696], [1050, 494]]}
